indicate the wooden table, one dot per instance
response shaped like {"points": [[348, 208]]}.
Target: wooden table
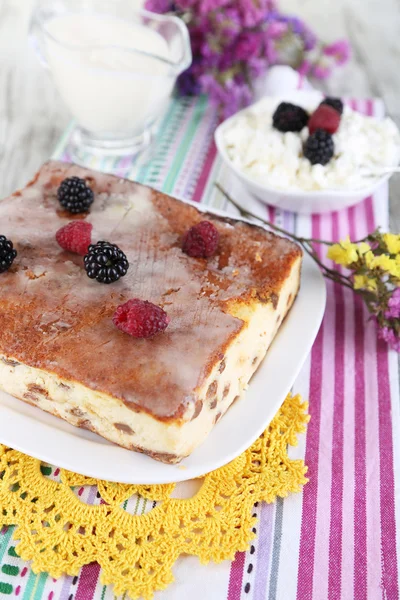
{"points": [[32, 117]]}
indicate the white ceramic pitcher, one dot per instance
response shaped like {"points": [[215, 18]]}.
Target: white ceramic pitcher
{"points": [[114, 66]]}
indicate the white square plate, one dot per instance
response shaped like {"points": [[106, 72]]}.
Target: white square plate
{"points": [[41, 435]]}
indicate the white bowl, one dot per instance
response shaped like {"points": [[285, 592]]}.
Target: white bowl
{"points": [[305, 202]]}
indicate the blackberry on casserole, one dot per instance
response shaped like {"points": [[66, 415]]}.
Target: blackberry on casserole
{"points": [[335, 103], [75, 195], [7, 254], [105, 262], [319, 147], [289, 117]]}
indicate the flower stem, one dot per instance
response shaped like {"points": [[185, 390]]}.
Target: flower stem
{"points": [[245, 212], [305, 243]]}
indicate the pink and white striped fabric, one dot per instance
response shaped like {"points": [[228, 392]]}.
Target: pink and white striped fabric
{"points": [[338, 539]]}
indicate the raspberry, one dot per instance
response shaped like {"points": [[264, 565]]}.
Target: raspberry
{"points": [[75, 237], [75, 195], [335, 103], [289, 117], [319, 147], [140, 318], [326, 118], [201, 240]]}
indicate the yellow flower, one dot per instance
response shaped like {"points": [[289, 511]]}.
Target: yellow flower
{"points": [[365, 283], [392, 242], [387, 264], [344, 253], [363, 248], [369, 259]]}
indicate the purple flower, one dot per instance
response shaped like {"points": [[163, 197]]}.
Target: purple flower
{"points": [[282, 23], [256, 67], [277, 29], [389, 335], [297, 25], [228, 23], [231, 96], [393, 311], [321, 71], [225, 61], [234, 41], [340, 51], [189, 82], [186, 4], [305, 67], [309, 39], [206, 6], [197, 39], [159, 6], [253, 12], [210, 51], [211, 85], [248, 45]]}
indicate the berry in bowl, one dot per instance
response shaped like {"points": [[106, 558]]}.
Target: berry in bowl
{"points": [[308, 154]]}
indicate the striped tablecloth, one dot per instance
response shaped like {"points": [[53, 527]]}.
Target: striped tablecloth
{"points": [[339, 539]]}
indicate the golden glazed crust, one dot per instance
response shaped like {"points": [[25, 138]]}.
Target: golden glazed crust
{"points": [[54, 318]]}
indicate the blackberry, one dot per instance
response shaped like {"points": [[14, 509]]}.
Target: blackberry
{"points": [[105, 262], [75, 195], [319, 147], [7, 253], [289, 117], [335, 103]]}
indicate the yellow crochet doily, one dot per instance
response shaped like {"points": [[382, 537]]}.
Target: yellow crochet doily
{"points": [[60, 533]]}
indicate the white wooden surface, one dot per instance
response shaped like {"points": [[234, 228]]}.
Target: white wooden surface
{"points": [[32, 117]]}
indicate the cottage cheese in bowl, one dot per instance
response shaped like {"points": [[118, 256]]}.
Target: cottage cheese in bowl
{"points": [[363, 145]]}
